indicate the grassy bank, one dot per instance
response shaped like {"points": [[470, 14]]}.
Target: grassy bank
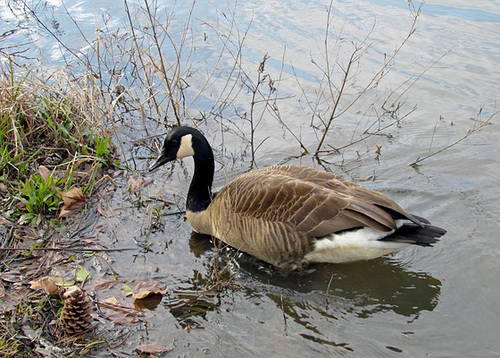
{"points": [[48, 146], [53, 155]]}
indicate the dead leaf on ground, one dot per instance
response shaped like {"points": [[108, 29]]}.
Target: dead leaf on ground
{"points": [[10, 299], [142, 294], [149, 301], [120, 311], [111, 301], [100, 210], [136, 184], [149, 285], [145, 293], [47, 284], [68, 291], [103, 284], [154, 348], [142, 289], [44, 172], [73, 200], [148, 294]]}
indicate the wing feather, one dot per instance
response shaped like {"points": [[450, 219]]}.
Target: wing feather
{"points": [[287, 207]]}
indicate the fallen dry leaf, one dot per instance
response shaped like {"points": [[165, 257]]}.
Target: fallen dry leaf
{"points": [[100, 210], [47, 284], [73, 200], [149, 285], [111, 300], [10, 300], [148, 294], [44, 172], [150, 302], [137, 183], [154, 348], [104, 284], [120, 311], [143, 294]]}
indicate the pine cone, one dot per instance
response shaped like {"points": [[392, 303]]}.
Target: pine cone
{"points": [[76, 312]]}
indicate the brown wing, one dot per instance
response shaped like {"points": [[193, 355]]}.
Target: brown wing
{"points": [[350, 204], [276, 213]]}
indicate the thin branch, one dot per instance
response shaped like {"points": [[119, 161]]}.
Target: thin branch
{"points": [[337, 101], [150, 85], [469, 132], [162, 64]]}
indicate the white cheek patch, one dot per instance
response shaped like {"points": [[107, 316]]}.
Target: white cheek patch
{"points": [[186, 147]]}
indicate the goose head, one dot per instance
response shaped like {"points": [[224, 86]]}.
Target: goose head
{"points": [[183, 142]]}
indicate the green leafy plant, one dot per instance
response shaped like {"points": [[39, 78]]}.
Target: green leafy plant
{"points": [[102, 146], [5, 157], [157, 215], [40, 195], [57, 114]]}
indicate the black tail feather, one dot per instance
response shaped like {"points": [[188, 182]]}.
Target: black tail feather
{"points": [[418, 220], [417, 234], [417, 230]]}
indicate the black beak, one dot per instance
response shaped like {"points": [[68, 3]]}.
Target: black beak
{"points": [[162, 159]]}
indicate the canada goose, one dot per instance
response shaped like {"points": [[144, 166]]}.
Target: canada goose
{"points": [[290, 215]]}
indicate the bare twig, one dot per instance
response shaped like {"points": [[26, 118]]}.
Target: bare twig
{"points": [[170, 92], [338, 93], [135, 41], [481, 126]]}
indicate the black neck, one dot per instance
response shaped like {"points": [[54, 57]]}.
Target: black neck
{"points": [[200, 190]]}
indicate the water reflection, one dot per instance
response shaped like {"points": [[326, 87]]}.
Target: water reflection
{"points": [[362, 288], [188, 306]]}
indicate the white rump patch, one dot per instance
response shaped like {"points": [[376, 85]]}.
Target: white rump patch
{"points": [[357, 245], [186, 147]]}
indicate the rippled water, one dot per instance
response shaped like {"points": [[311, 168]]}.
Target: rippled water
{"points": [[441, 302]]}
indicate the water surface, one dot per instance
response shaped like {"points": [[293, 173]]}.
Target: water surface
{"points": [[441, 302]]}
